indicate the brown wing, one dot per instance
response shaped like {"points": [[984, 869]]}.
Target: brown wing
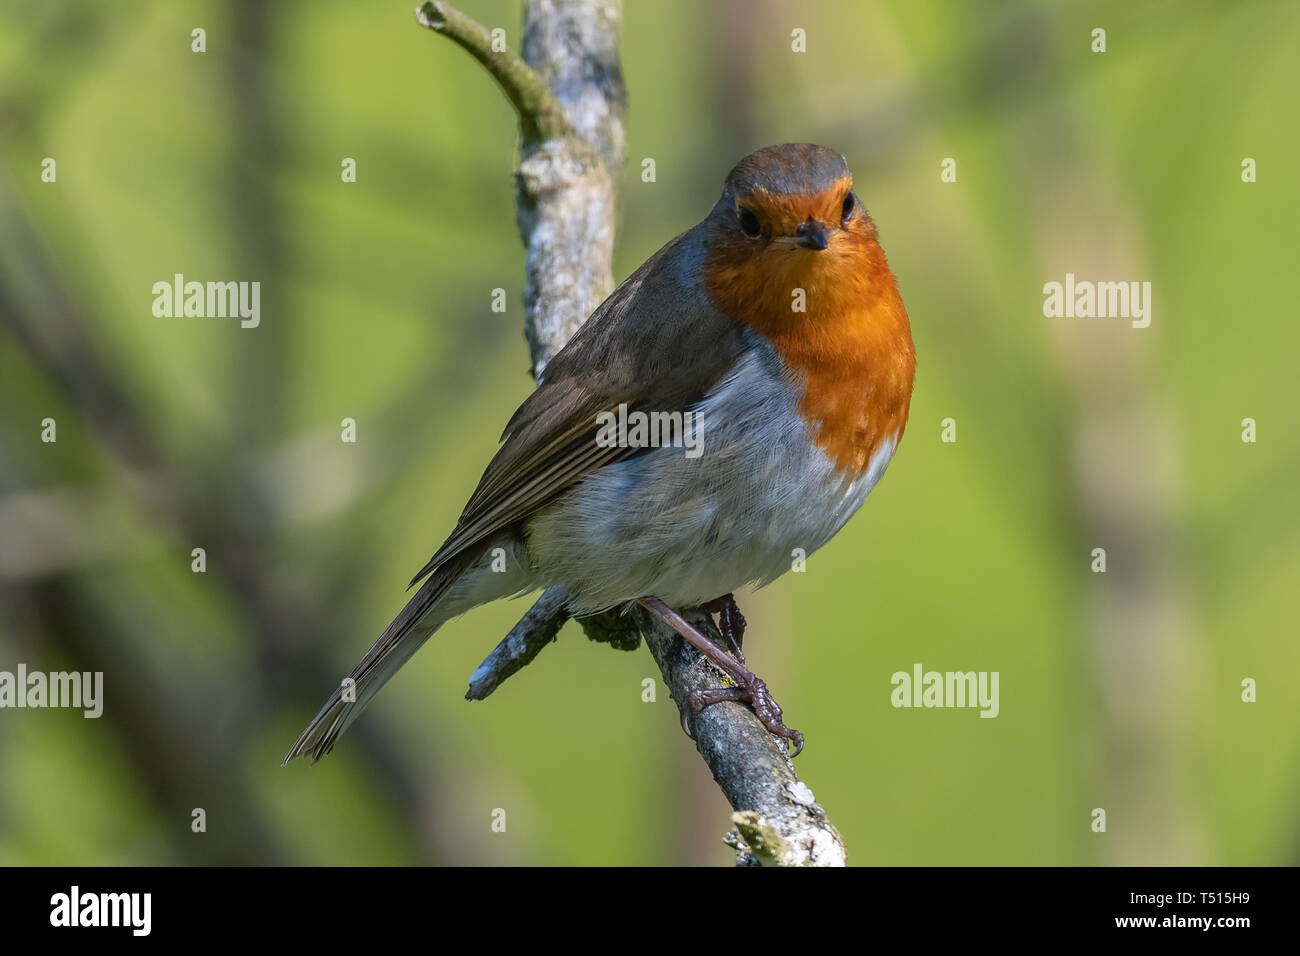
{"points": [[656, 344]]}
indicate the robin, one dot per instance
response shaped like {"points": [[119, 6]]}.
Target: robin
{"points": [[775, 326]]}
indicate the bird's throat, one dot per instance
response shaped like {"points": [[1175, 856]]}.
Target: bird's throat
{"points": [[850, 345]]}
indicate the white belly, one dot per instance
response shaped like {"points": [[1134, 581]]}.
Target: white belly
{"points": [[692, 529]]}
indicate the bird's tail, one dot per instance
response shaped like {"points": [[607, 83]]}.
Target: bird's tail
{"points": [[428, 610]]}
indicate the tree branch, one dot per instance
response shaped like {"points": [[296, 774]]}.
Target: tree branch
{"points": [[566, 196], [540, 115], [525, 641], [778, 821]]}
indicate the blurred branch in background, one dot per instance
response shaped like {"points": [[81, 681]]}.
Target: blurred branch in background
{"points": [[566, 196], [1141, 644], [189, 758], [1137, 637]]}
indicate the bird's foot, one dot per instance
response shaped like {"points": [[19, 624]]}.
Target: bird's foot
{"points": [[746, 688], [750, 689], [731, 623]]}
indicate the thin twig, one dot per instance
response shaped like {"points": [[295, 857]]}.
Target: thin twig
{"points": [[525, 641], [541, 117]]}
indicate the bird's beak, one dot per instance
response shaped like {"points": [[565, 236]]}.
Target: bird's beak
{"points": [[811, 235]]}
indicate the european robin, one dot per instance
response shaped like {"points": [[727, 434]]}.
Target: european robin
{"points": [[777, 324]]}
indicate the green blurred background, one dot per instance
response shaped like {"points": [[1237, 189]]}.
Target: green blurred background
{"points": [[1119, 690]]}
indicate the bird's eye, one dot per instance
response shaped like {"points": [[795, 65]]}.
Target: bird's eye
{"points": [[749, 223], [850, 203]]}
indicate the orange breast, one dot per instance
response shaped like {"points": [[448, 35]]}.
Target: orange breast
{"points": [[852, 345]]}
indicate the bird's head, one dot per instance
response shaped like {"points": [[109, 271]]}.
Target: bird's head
{"points": [[792, 253], [789, 220]]}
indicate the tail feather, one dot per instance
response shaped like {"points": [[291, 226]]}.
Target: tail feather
{"points": [[401, 639]]}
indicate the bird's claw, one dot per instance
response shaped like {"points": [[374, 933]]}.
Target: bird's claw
{"points": [[731, 623], [749, 689]]}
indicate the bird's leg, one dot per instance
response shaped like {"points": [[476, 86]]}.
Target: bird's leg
{"points": [[730, 622], [749, 688]]}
